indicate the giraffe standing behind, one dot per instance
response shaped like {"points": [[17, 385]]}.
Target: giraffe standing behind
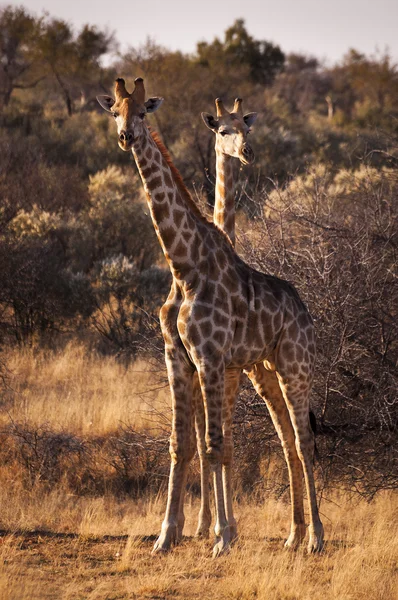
{"points": [[221, 317], [231, 131]]}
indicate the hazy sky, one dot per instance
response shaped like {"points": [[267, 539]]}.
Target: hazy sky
{"points": [[324, 28]]}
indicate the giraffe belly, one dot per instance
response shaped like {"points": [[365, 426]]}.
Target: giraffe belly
{"points": [[253, 342], [245, 358]]}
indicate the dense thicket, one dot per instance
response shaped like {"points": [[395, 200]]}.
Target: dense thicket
{"points": [[78, 254]]}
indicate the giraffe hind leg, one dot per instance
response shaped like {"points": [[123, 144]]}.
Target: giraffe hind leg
{"points": [[267, 386], [189, 457], [296, 394]]}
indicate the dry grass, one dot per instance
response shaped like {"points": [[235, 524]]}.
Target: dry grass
{"points": [[82, 392], [69, 548], [57, 545]]}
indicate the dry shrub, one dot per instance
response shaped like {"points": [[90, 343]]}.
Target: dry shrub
{"points": [[335, 237], [126, 462]]}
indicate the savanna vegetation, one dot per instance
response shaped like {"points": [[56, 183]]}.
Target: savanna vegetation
{"points": [[84, 398]]}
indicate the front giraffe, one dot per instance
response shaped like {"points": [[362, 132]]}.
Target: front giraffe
{"points": [[227, 317]]}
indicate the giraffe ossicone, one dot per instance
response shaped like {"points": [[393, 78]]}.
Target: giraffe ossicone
{"points": [[221, 317]]}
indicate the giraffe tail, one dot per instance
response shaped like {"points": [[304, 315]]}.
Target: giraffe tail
{"points": [[313, 425]]}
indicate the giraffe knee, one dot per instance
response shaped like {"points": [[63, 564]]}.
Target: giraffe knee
{"points": [[179, 452], [305, 445], [228, 451], [213, 455], [289, 446], [214, 445]]}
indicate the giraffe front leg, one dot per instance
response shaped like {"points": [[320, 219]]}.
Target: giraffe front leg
{"points": [[232, 380], [190, 455], [221, 529], [211, 377], [180, 379], [172, 527], [204, 520]]}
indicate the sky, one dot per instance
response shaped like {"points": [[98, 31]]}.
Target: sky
{"points": [[326, 29]]}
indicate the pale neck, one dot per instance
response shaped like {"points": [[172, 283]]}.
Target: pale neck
{"points": [[173, 212], [224, 205]]}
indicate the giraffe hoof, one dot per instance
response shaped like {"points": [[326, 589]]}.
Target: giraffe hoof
{"points": [[168, 537], [157, 549], [220, 548], [291, 545], [316, 541], [315, 545], [222, 545], [295, 538], [204, 522]]}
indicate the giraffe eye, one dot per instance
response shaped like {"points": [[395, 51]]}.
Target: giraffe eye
{"points": [[115, 114], [223, 132], [141, 115]]}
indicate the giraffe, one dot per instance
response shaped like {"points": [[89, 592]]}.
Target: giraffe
{"points": [[221, 316], [231, 131]]}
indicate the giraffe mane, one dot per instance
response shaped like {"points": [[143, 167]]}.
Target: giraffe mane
{"points": [[181, 185], [176, 175]]}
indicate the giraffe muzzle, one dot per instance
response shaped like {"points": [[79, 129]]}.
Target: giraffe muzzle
{"points": [[126, 139], [247, 155]]}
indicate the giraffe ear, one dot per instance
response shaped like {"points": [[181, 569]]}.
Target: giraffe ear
{"points": [[250, 118], [210, 121], [106, 102], [153, 104]]}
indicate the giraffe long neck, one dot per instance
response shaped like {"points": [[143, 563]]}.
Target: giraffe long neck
{"points": [[176, 218], [224, 206]]}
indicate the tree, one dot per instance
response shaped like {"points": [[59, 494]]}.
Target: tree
{"points": [[34, 49], [239, 48], [73, 61], [19, 33], [302, 85], [58, 53], [366, 89]]}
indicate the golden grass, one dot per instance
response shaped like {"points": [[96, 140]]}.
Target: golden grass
{"points": [[83, 392], [60, 546]]}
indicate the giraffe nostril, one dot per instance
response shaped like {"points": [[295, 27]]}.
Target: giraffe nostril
{"points": [[125, 136]]}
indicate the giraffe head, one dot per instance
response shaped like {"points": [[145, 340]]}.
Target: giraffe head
{"points": [[129, 110], [232, 129]]}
